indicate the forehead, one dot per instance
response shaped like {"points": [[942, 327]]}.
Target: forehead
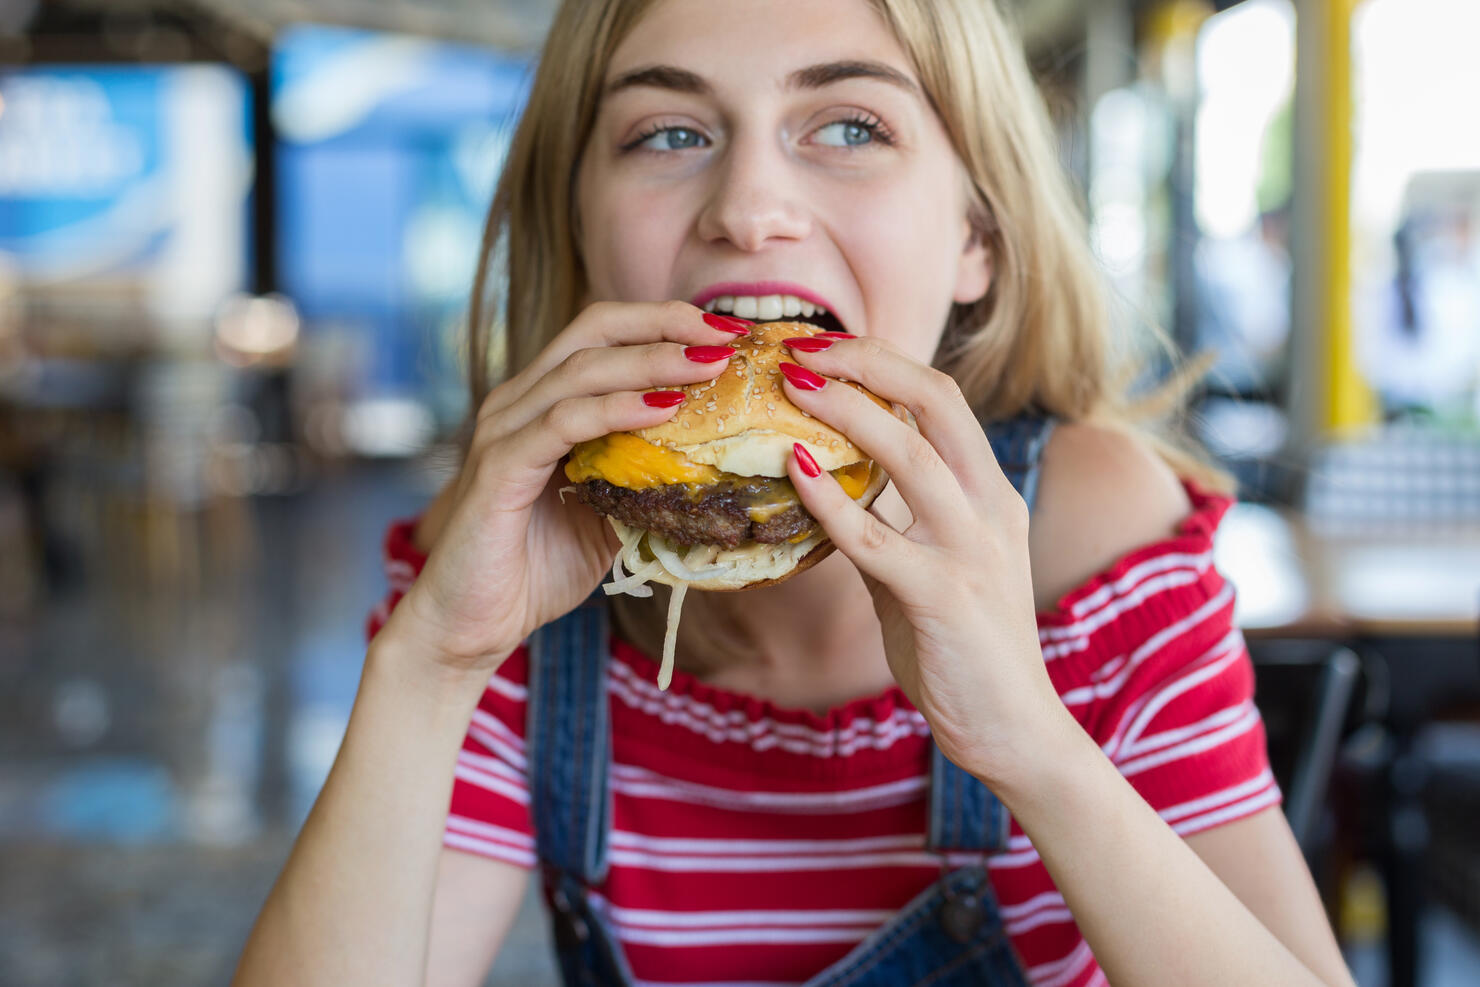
{"points": [[757, 41]]}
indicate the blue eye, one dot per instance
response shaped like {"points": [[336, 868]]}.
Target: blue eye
{"points": [[852, 133], [668, 139]]}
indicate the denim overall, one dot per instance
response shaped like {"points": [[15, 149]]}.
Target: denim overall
{"points": [[950, 934]]}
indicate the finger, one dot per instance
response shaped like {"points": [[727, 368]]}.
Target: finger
{"points": [[927, 485], [609, 369], [540, 444], [933, 397], [618, 324], [877, 550]]}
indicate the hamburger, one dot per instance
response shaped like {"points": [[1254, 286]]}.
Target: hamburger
{"points": [[703, 500]]}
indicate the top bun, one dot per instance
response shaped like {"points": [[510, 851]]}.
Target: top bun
{"points": [[742, 421]]}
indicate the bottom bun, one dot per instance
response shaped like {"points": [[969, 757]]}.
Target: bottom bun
{"points": [[816, 555]]}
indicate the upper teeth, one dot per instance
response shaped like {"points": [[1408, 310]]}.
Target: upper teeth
{"points": [[763, 307]]}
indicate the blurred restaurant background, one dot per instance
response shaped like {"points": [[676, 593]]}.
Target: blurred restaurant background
{"points": [[236, 242]]}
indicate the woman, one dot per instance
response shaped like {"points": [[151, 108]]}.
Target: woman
{"points": [[824, 793]]}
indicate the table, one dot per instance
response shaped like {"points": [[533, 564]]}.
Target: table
{"points": [[1409, 603]]}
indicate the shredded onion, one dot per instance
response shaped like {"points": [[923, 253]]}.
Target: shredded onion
{"points": [[562, 491], [670, 636], [635, 584], [674, 564], [629, 558], [617, 573]]}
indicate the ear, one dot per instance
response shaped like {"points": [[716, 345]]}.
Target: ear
{"points": [[974, 266]]}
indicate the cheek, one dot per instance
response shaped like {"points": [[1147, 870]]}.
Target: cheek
{"points": [[904, 252], [629, 244]]}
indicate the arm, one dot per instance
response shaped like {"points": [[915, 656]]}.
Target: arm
{"points": [[475, 900], [1236, 899], [1151, 910], [1176, 922], [1280, 893], [476, 903], [354, 899]]}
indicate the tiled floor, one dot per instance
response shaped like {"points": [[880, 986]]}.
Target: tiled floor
{"points": [[158, 746]]}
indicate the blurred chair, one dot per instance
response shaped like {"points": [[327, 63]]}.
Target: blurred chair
{"points": [[1304, 691]]}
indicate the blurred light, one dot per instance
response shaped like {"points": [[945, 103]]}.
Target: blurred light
{"points": [[345, 89], [238, 469], [1246, 71], [1238, 429], [387, 427], [315, 732], [220, 808], [1414, 78], [1127, 141], [441, 251], [80, 712], [1268, 596], [252, 330], [323, 428]]}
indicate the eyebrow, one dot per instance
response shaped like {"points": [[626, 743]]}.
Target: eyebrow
{"points": [[812, 77]]}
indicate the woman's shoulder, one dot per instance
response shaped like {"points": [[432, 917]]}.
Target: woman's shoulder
{"points": [[1122, 554], [1103, 493]]}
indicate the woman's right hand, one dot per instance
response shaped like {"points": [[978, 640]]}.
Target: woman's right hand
{"points": [[511, 557]]}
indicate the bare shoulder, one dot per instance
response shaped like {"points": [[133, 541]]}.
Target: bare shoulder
{"points": [[1102, 493]]}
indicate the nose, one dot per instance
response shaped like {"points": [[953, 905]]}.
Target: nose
{"points": [[754, 200]]}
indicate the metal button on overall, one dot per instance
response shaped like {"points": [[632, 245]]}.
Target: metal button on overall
{"points": [[962, 915], [570, 928]]}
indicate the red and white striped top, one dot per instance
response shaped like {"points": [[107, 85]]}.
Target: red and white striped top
{"points": [[755, 844]]}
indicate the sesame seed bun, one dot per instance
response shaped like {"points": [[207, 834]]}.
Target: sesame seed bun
{"points": [[742, 421]]}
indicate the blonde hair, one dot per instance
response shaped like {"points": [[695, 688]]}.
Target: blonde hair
{"points": [[1040, 339]]}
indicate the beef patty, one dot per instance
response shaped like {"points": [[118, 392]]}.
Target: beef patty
{"points": [[718, 514]]}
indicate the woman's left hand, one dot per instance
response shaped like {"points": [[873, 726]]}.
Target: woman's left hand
{"points": [[953, 591]]}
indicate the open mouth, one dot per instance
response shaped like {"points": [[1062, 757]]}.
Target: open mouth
{"points": [[775, 308]]}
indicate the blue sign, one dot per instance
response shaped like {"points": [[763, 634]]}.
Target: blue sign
{"points": [[89, 169]]}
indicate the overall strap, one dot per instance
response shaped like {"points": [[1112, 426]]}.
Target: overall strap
{"points": [[569, 745], [1018, 444], [964, 814]]}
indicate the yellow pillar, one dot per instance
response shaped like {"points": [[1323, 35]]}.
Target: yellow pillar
{"points": [[1349, 401]]}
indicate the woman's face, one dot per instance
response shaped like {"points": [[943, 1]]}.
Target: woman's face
{"points": [[775, 147]]}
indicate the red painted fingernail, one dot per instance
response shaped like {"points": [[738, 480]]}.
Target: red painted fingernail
{"points": [[835, 335], [663, 399], [808, 344], [727, 323], [803, 378], [805, 460], [708, 354]]}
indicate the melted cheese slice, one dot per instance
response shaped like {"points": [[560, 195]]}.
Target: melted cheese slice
{"points": [[624, 460]]}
